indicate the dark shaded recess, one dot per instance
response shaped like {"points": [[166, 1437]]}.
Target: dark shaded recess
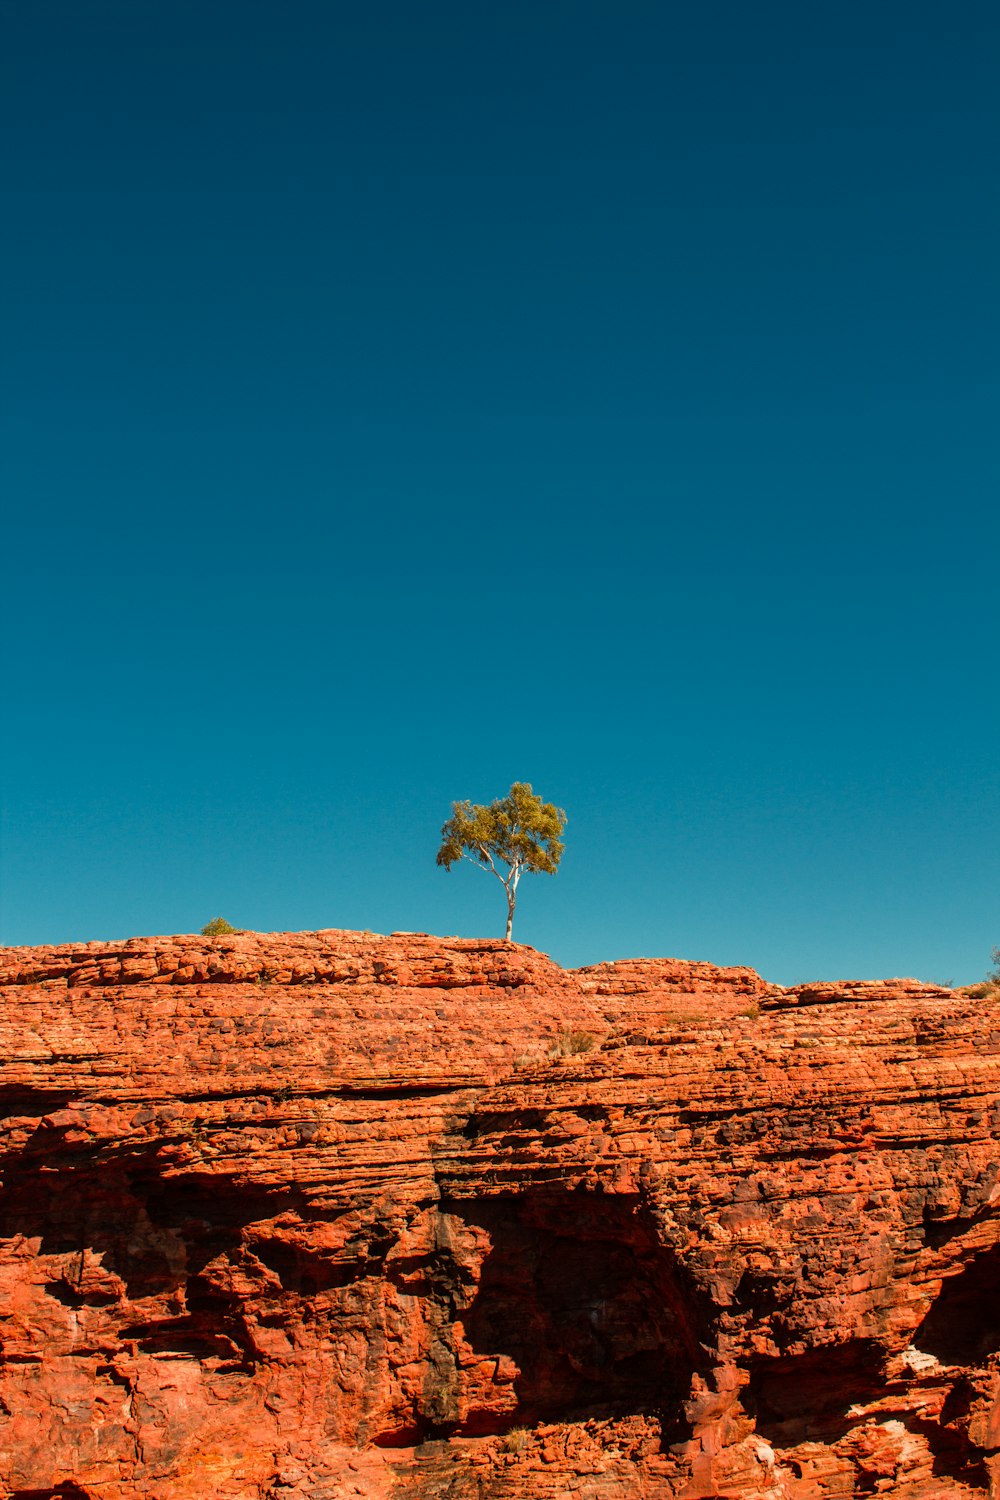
{"points": [[963, 1324], [759, 1295], [800, 1397], [65, 1491], [16, 1099], [389, 1093], [938, 1232], [63, 1292], [579, 1292], [308, 1272], [486, 1122], [210, 1213], [213, 1328], [105, 1201], [158, 1234]]}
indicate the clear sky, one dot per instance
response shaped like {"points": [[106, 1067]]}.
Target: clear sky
{"points": [[402, 400]]}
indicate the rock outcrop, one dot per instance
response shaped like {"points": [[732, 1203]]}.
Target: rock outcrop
{"points": [[309, 1216]]}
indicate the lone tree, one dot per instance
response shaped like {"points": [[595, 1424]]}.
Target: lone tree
{"points": [[516, 833]]}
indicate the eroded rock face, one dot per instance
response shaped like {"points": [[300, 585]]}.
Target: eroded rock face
{"points": [[304, 1216]]}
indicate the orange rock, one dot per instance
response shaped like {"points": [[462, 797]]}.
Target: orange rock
{"points": [[328, 1214]]}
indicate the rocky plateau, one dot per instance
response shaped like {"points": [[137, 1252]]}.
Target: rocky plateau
{"points": [[324, 1215]]}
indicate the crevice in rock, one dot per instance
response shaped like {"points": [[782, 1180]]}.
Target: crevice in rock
{"points": [[386, 1093], [517, 1121]]}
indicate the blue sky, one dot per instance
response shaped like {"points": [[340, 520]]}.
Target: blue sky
{"points": [[399, 401]]}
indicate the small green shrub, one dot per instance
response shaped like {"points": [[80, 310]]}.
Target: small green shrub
{"points": [[751, 1011], [218, 927]]}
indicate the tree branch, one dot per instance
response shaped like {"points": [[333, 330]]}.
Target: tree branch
{"points": [[487, 868]]}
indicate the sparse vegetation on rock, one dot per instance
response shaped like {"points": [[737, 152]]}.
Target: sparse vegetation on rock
{"points": [[991, 984], [218, 927], [515, 1441], [571, 1042]]}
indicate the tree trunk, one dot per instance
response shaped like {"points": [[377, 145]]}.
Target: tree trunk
{"points": [[511, 898]]}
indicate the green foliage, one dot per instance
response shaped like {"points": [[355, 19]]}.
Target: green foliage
{"points": [[519, 829], [515, 833], [218, 927]]}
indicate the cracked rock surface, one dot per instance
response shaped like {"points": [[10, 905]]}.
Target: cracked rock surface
{"points": [[318, 1215]]}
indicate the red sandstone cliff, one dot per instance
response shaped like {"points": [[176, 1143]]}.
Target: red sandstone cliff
{"points": [[315, 1216]]}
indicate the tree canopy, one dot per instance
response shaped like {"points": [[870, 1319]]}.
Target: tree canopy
{"points": [[514, 834], [218, 927]]}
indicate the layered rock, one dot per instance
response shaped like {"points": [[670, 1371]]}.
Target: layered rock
{"points": [[332, 1214]]}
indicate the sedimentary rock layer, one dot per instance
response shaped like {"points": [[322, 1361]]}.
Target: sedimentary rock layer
{"points": [[303, 1216]]}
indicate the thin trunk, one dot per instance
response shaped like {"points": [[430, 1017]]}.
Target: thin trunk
{"points": [[511, 898]]}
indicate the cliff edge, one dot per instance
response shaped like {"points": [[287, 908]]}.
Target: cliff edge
{"points": [[309, 1216]]}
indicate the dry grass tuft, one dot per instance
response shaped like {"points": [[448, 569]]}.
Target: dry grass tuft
{"points": [[515, 1441], [571, 1043]]}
